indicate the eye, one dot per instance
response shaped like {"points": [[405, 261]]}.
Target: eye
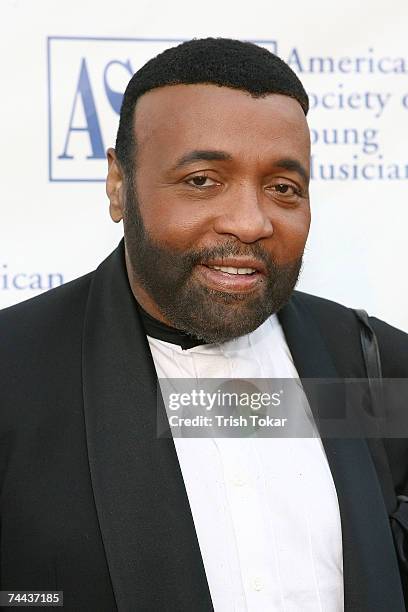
{"points": [[201, 181], [284, 188], [285, 191]]}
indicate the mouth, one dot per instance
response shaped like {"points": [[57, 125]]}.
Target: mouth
{"points": [[233, 275]]}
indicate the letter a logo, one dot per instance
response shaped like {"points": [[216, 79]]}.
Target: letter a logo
{"points": [[84, 93]]}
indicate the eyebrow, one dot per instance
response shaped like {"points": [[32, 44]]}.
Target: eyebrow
{"points": [[202, 155], [286, 163], [293, 166]]}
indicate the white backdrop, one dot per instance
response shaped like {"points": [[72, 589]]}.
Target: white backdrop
{"points": [[65, 64]]}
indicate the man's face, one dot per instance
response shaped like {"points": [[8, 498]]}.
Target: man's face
{"points": [[217, 212]]}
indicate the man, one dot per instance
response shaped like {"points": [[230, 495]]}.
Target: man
{"points": [[210, 176]]}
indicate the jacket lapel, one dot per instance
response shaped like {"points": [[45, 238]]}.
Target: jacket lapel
{"points": [[144, 515], [371, 575]]}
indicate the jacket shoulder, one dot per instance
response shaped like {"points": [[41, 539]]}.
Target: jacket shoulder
{"points": [[341, 331], [43, 319], [322, 307]]}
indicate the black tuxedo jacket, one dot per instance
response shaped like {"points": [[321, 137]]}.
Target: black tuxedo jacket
{"points": [[94, 504]]}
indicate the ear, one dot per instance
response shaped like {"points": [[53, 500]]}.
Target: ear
{"points": [[115, 186]]}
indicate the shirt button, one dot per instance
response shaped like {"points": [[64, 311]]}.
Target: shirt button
{"points": [[257, 584]]}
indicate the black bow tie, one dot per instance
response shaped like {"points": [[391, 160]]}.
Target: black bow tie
{"points": [[156, 329]]}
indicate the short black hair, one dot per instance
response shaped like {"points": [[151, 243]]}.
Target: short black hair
{"points": [[219, 61]]}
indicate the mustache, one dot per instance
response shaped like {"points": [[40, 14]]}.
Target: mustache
{"points": [[231, 249]]}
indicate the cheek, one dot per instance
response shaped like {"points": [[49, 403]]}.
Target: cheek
{"points": [[289, 236], [174, 222]]}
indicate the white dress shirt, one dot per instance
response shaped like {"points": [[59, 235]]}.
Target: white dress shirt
{"points": [[265, 509]]}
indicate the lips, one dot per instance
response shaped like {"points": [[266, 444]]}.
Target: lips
{"points": [[232, 275], [236, 263], [232, 270]]}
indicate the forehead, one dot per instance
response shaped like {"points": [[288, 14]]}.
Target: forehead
{"points": [[173, 118]]}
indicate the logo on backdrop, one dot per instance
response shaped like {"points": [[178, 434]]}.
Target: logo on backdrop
{"points": [[86, 81], [350, 102]]}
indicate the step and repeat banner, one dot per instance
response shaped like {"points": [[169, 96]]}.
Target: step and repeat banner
{"points": [[65, 66]]}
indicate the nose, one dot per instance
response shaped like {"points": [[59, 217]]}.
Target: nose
{"points": [[245, 215]]}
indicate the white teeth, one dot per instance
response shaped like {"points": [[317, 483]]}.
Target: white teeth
{"points": [[231, 270]]}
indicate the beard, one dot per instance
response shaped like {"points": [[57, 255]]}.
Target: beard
{"points": [[204, 313]]}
